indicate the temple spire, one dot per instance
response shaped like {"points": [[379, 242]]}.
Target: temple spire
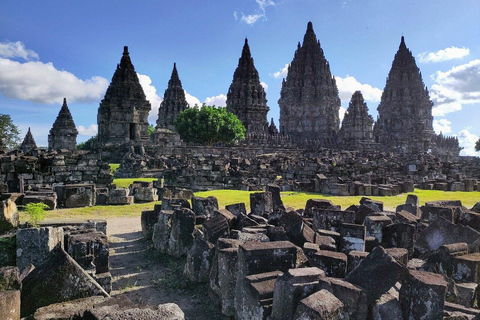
{"points": [[28, 143], [63, 134]]}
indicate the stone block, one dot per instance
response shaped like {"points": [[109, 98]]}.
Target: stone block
{"points": [[412, 199], [399, 254], [215, 227], [34, 244], [10, 305], [68, 310], [332, 219], [101, 196], [376, 274], [387, 307], [373, 204], [10, 279], [466, 268], [120, 196], [59, 278], [333, 263], [76, 195], [352, 297], [227, 258], [352, 237], [257, 298], [173, 203], [204, 206], [261, 203], [199, 261], [354, 259], [145, 194], [400, 235], [148, 220], [441, 259], [422, 295], [317, 204], [8, 249], [161, 231], [238, 209], [276, 198], [181, 238], [407, 214], [322, 305], [375, 226], [431, 213], [9, 217], [47, 197], [467, 294], [104, 280], [441, 232], [293, 286]]}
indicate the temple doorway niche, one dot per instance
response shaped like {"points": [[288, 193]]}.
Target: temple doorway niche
{"points": [[133, 129]]}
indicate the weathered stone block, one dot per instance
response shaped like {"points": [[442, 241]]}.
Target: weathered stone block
{"points": [[467, 294], [215, 227], [317, 204], [291, 287], [181, 238], [322, 305], [145, 194], [34, 244], [422, 295], [161, 231], [376, 274], [173, 203], [199, 261], [226, 274], [466, 268], [59, 278], [400, 235], [354, 259], [332, 219], [387, 307], [352, 237], [148, 220], [276, 198], [399, 254], [8, 249], [10, 305], [333, 263], [9, 217], [204, 206], [261, 203], [375, 226], [120, 196]]}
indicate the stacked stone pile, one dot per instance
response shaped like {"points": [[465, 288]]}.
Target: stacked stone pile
{"points": [[325, 262], [336, 173]]}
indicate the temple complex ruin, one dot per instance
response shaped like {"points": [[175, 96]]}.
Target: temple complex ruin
{"points": [[246, 97], [405, 110], [173, 102], [123, 113], [63, 134], [309, 101]]}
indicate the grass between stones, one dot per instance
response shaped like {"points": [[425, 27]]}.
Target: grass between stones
{"points": [[290, 199], [126, 182]]}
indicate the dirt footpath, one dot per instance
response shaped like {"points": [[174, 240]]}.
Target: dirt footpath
{"points": [[147, 277]]}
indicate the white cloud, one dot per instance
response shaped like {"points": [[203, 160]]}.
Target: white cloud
{"points": [[192, 101], [218, 101], [90, 131], [42, 83], [442, 125], [16, 50], [341, 113], [456, 87], [282, 73], [251, 19], [443, 55], [152, 96], [264, 85], [467, 140], [348, 85]]}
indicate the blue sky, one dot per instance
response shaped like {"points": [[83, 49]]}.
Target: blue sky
{"points": [[55, 49]]}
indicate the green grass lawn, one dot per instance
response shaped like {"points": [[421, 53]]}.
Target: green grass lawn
{"points": [[126, 182], [290, 199]]}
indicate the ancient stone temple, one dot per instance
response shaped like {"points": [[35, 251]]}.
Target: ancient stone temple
{"points": [[173, 102], [405, 110], [246, 97], [272, 128], [309, 101], [357, 125], [63, 134], [28, 143], [123, 113]]}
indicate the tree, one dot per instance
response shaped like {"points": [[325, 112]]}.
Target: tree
{"points": [[209, 125], [477, 145], [90, 144], [9, 133], [151, 128]]}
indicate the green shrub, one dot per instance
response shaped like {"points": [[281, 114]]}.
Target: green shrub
{"points": [[36, 212]]}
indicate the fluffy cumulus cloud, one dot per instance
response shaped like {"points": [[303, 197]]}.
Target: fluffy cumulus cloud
{"points": [[192, 100], [12, 50], [152, 96], [264, 85], [42, 83], [282, 73], [341, 114], [467, 140], [443, 55], [90, 131], [442, 125], [218, 101], [348, 85], [260, 13], [456, 87]]}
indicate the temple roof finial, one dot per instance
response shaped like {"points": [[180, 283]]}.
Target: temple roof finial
{"points": [[125, 50], [310, 26]]}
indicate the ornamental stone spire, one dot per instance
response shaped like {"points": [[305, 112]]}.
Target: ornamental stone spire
{"points": [[173, 103], [123, 112], [246, 97], [309, 101], [405, 110], [28, 143], [63, 134], [357, 125]]}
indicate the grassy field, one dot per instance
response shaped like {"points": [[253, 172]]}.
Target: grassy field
{"points": [[126, 182], [290, 199]]}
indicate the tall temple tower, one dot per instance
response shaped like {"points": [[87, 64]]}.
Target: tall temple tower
{"points": [[28, 143], [173, 102], [63, 134], [309, 101], [405, 110], [357, 125], [123, 112], [246, 97]]}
